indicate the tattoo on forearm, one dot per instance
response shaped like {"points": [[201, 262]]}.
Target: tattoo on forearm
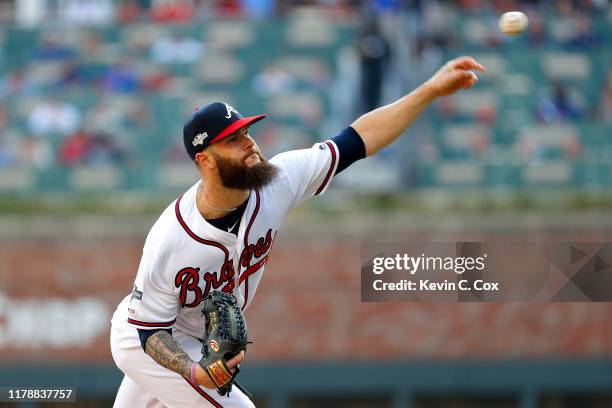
{"points": [[165, 350]]}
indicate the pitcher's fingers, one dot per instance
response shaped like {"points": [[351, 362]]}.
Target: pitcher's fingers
{"points": [[467, 63], [470, 80], [234, 361]]}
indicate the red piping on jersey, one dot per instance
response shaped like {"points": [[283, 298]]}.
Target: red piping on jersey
{"points": [[192, 234], [246, 244], [147, 324], [204, 394], [331, 168], [252, 269], [246, 234]]}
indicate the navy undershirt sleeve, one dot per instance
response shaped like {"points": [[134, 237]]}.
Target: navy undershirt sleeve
{"points": [[350, 147], [145, 334]]}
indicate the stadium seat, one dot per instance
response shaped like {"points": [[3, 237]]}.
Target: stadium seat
{"points": [[551, 173], [95, 178], [459, 173], [566, 66], [220, 69], [17, 179]]}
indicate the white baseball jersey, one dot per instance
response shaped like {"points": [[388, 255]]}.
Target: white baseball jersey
{"points": [[184, 257]]}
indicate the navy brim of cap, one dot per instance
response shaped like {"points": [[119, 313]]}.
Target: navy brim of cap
{"points": [[237, 125]]}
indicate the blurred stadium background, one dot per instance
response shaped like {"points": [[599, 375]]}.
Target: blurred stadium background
{"points": [[93, 95]]}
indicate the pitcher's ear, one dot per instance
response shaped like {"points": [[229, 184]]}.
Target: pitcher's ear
{"points": [[204, 159]]}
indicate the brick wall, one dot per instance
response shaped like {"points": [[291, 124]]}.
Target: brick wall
{"points": [[307, 307]]}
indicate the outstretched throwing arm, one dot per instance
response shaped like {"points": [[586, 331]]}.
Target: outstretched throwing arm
{"points": [[380, 127]]}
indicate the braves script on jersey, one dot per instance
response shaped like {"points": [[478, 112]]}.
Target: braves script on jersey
{"points": [[184, 257]]}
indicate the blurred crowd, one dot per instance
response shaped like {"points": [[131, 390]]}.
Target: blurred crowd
{"points": [[397, 44], [400, 48], [104, 12]]}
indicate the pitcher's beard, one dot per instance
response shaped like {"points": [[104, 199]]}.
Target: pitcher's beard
{"points": [[237, 175]]}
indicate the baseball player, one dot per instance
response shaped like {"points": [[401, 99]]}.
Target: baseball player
{"points": [[219, 233]]}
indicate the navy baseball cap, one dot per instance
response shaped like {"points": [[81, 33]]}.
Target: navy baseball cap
{"points": [[211, 123]]}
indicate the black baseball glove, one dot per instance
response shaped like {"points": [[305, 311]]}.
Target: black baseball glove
{"points": [[225, 336]]}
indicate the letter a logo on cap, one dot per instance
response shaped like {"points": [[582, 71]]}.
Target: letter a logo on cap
{"points": [[199, 139], [230, 109]]}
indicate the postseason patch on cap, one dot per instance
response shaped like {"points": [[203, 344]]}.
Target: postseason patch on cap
{"points": [[199, 139]]}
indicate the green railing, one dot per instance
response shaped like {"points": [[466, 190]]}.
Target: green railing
{"points": [[398, 385]]}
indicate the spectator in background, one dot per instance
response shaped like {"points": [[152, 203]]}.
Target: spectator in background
{"points": [[30, 13], [121, 77], [558, 106], [2, 47], [374, 52], [606, 100], [564, 7], [91, 45], [54, 116], [84, 148], [258, 9], [584, 37], [172, 11], [51, 48], [4, 116], [104, 150], [87, 12], [72, 75], [8, 156], [480, 141], [128, 11], [537, 35], [16, 83], [20, 150], [155, 79], [177, 49], [75, 148], [437, 25], [571, 147], [426, 57], [228, 8], [35, 152]]}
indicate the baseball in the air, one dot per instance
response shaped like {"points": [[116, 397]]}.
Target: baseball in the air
{"points": [[513, 22]]}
